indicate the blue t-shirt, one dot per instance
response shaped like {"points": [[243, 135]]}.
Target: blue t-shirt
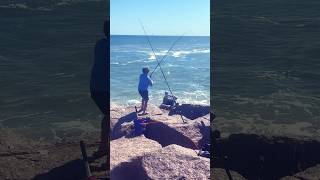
{"points": [[144, 82], [100, 73]]}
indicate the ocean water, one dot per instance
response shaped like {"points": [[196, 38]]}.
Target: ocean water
{"points": [[186, 68], [266, 65], [46, 54]]}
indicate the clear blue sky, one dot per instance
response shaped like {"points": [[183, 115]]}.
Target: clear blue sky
{"points": [[160, 17]]}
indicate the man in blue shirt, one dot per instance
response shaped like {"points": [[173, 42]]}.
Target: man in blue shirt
{"points": [[144, 82], [99, 85]]}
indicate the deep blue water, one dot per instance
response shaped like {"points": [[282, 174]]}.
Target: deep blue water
{"points": [[46, 54], [186, 68], [266, 64]]}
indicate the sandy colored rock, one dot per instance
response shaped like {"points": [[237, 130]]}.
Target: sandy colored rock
{"points": [[125, 149], [170, 129], [141, 157], [198, 130], [175, 162]]}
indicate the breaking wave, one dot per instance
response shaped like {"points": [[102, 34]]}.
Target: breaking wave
{"points": [[178, 53]]}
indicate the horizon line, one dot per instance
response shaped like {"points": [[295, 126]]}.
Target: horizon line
{"points": [[157, 35]]}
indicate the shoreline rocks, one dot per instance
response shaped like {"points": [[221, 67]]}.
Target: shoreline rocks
{"points": [[166, 150]]}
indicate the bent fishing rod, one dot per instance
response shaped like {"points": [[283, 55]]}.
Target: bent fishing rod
{"points": [[145, 33]]}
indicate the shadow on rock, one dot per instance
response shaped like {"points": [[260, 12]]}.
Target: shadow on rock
{"points": [[71, 170], [259, 157], [190, 111], [205, 132], [165, 135], [116, 131], [129, 170]]}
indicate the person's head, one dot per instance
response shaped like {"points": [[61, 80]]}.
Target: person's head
{"points": [[106, 28], [145, 70]]}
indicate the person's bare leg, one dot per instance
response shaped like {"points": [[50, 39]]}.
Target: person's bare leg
{"points": [[145, 102], [142, 104], [145, 106]]}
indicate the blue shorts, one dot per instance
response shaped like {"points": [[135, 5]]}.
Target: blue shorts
{"points": [[144, 95]]}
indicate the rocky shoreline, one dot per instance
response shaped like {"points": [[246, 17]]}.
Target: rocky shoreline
{"points": [[167, 149]]}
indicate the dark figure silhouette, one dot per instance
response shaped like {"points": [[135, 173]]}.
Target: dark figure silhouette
{"points": [[99, 85]]}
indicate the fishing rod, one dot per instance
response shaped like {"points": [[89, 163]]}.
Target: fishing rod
{"points": [[173, 44], [145, 32]]}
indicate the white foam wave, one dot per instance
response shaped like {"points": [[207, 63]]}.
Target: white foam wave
{"points": [[152, 57], [133, 101], [176, 54], [194, 51], [179, 53], [135, 61]]}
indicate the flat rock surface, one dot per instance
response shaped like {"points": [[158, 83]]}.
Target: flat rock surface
{"points": [[170, 129], [167, 148], [176, 162], [125, 149]]}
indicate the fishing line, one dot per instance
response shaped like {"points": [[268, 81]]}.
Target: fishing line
{"points": [[173, 44], [155, 57]]}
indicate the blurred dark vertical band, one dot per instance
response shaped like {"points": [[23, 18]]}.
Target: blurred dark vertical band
{"points": [[211, 83], [108, 114]]}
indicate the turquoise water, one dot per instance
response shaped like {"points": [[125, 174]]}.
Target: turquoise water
{"points": [[187, 68]]}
